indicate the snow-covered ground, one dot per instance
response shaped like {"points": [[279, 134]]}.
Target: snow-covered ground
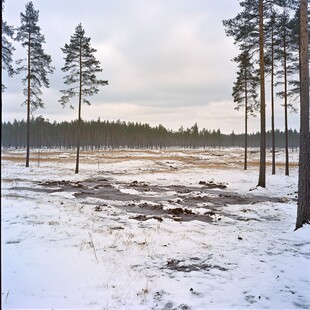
{"points": [[170, 229]]}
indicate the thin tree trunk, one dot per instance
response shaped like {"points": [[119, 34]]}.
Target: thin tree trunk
{"points": [[272, 104], [303, 209], [262, 163], [79, 118], [78, 143], [28, 107], [285, 108], [246, 122]]}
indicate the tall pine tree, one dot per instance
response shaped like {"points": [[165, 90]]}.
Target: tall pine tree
{"points": [[38, 64], [82, 67], [286, 56], [270, 42], [262, 162], [244, 92], [247, 29]]}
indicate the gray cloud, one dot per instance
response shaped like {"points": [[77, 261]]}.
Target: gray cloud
{"points": [[167, 61]]}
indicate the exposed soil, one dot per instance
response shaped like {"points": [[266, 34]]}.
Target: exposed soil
{"points": [[148, 201], [164, 157], [195, 264]]}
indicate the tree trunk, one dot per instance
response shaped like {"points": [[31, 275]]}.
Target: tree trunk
{"points": [[303, 209], [78, 141], [28, 107], [246, 122], [272, 104], [79, 118], [285, 106], [262, 163]]}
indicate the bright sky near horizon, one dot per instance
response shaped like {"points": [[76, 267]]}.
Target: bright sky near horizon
{"points": [[167, 61]]}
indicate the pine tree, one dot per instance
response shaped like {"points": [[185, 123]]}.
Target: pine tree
{"points": [[244, 27], [7, 48], [250, 31], [286, 56], [270, 69], [38, 64], [303, 210], [244, 92], [294, 91], [247, 29], [82, 67], [262, 162]]}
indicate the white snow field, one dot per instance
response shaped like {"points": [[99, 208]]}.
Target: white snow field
{"points": [[150, 229]]}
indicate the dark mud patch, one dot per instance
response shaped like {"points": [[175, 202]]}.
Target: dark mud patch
{"points": [[33, 189], [176, 202], [196, 265], [158, 212], [142, 218], [212, 185]]}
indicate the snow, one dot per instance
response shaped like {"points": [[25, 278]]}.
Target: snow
{"points": [[60, 252]]}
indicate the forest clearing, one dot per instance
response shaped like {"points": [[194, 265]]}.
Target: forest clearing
{"points": [[158, 196], [151, 229]]}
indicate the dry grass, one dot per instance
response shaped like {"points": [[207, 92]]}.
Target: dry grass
{"points": [[208, 159]]}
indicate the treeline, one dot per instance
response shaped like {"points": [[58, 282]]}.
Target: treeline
{"points": [[110, 134]]}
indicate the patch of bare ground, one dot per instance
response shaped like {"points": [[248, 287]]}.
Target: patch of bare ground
{"points": [[206, 202], [9, 180], [185, 159], [194, 264], [12, 158], [36, 159]]}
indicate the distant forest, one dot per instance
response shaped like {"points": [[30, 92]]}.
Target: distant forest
{"points": [[110, 134]]}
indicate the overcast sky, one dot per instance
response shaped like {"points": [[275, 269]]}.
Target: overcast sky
{"points": [[167, 61]]}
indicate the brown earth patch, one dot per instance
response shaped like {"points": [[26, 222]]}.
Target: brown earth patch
{"points": [[184, 159], [175, 202]]}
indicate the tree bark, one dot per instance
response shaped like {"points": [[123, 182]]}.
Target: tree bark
{"points": [[303, 209], [79, 117], [246, 122], [285, 105], [28, 107], [262, 163], [272, 103]]}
